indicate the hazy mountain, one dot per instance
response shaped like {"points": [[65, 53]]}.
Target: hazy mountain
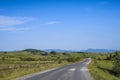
{"points": [[57, 50], [33, 50], [87, 50], [62, 50], [99, 50]]}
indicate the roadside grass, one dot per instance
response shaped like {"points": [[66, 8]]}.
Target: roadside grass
{"points": [[102, 70], [10, 74], [17, 64]]}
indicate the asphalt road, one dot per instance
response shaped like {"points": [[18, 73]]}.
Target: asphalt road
{"points": [[77, 71]]}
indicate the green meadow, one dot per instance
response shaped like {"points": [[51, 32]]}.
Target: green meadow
{"points": [[105, 66], [19, 63]]}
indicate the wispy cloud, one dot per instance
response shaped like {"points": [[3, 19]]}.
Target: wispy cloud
{"points": [[8, 23], [11, 21], [13, 29], [53, 22]]}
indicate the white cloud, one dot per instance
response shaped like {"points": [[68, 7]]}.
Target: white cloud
{"points": [[52, 22], [11, 21]]}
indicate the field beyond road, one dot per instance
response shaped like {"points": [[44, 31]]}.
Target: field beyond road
{"points": [[105, 66], [20, 63]]}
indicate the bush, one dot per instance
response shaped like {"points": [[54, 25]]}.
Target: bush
{"points": [[53, 53], [73, 59], [44, 54], [3, 58], [60, 61], [27, 59], [116, 67], [64, 53]]}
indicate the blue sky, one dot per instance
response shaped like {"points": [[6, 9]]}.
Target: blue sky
{"points": [[59, 24]]}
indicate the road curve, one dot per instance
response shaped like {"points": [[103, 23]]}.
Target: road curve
{"points": [[77, 71]]}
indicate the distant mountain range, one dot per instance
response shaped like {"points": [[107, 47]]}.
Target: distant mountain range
{"points": [[87, 50], [58, 50], [99, 50], [62, 50]]}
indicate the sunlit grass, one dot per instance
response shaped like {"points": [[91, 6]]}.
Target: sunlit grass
{"points": [[17, 64], [10, 74], [102, 70]]}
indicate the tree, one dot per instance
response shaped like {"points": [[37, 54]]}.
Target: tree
{"points": [[64, 53], [45, 54], [110, 57], [53, 53], [60, 61], [72, 59], [3, 58], [116, 67], [5, 52]]}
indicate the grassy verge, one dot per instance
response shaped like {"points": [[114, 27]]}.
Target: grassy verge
{"points": [[14, 73], [102, 70], [17, 64]]}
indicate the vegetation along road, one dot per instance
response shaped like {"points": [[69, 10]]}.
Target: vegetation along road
{"points": [[31, 64], [77, 71]]}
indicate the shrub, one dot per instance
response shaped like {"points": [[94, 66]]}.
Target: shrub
{"points": [[116, 67], [28, 59], [53, 53], [3, 58]]}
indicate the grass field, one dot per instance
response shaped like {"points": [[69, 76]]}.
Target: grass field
{"points": [[102, 70], [19, 63]]}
